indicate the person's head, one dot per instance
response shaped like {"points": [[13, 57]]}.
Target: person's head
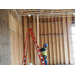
{"points": [[45, 45]]}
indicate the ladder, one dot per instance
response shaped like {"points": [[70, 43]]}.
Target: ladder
{"points": [[29, 30]]}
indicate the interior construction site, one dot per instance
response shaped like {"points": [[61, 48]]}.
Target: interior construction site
{"points": [[56, 27]]}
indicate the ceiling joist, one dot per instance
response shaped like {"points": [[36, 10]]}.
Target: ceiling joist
{"points": [[44, 12]]}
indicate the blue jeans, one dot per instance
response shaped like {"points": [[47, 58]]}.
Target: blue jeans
{"points": [[46, 61]]}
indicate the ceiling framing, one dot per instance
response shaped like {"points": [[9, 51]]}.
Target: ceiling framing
{"points": [[44, 12]]}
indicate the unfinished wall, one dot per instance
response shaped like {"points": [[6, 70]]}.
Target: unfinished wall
{"points": [[56, 32], [11, 40]]}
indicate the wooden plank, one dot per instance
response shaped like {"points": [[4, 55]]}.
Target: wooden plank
{"points": [[38, 35], [58, 41], [59, 62], [54, 52], [69, 37], [52, 43], [35, 30], [32, 49], [29, 43], [45, 32], [57, 45], [65, 39], [62, 44], [24, 38], [39, 39], [60, 51], [34, 46], [49, 30], [51, 46]]}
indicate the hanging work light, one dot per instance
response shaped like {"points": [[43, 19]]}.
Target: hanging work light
{"points": [[29, 15]]}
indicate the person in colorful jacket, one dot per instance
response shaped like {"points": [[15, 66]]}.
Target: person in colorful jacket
{"points": [[44, 52]]}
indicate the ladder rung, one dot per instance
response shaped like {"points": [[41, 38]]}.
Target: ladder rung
{"points": [[42, 61], [24, 58], [41, 57], [26, 44], [25, 54], [25, 49], [34, 39], [39, 53], [37, 48], [23, 63]]}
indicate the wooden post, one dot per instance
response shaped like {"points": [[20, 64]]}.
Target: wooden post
{"points": [[65, 39], [38, 34]]}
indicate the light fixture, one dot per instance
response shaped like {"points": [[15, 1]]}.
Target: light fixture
{"points": [[74, 13], [29, 15]]}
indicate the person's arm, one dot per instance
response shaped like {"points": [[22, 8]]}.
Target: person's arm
{"points": [[42, 49]]}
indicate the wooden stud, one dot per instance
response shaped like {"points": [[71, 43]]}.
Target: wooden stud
{"points": [[49, 41], [52, 43], [60, 48], [42, 27], [45, 32], [65, 39], [57, 45], [54, 53], [34, 46], [31, 46], [35, 32], [38, 34], [29, 42], [51, 48]]}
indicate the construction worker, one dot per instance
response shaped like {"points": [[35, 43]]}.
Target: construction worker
{"points": [[44, 53]]}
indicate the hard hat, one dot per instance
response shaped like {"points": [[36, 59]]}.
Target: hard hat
{"points": [[46, 44]]}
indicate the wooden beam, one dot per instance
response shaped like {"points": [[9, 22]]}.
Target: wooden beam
{"points": [[38, 35], [65, 39], [47, 22]]}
